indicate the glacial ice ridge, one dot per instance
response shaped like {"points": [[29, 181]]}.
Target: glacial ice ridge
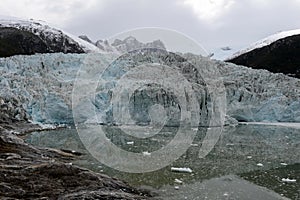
{"points": [[42, 86]]}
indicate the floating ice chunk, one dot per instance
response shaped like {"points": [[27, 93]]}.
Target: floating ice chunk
{"points": [[260, 164], [284, 164], [146, 153], [130, 143], [178, 181], [289, 180], [183, 169]]}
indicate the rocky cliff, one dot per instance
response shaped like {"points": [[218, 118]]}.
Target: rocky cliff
{"points": [[28, 172]]}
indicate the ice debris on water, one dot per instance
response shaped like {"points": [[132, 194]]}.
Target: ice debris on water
{"points": [[182, 170], [260, 164], [130, 143], [288, 180], [178, 181], [284, 164], [146, 153]]}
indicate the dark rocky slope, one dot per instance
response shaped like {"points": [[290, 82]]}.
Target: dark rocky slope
{"points": [[27, 172], [22, 42], [27, 37], [281, 56]]}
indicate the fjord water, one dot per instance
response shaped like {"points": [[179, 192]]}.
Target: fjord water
{"points": [[248, 162]]}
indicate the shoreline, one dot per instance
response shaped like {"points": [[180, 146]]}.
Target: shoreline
{"points": [[29, 172]]}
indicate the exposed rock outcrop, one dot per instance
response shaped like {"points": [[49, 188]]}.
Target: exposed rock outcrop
{"points": [[27, 172], [280, 56], [27, 37]]}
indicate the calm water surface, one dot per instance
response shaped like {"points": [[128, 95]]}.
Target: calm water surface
{"points": [[248, 162]]}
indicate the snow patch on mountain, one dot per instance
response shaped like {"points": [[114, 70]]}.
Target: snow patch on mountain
{"points": [[123, 46], [265, 42], [48, 32], [39, 28]]}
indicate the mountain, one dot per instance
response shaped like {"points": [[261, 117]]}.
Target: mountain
{"points": [[28, 37], [278, 53], [130, 43], [39, 87]]}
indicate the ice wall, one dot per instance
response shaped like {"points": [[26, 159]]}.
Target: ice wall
{"points": [[42, 85]]}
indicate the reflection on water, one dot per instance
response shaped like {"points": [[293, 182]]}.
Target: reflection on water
{"points": [[248, 162]]}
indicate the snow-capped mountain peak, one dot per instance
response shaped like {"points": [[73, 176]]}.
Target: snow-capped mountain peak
{"points": [[265, 42], [47, 33], [124, 45]]}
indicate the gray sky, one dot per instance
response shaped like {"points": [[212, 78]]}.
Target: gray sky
{"points": [[212, 23]]}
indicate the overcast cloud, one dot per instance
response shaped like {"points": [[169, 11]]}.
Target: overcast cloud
{"points": [[213, 23]]}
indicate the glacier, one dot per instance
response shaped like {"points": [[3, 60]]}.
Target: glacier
{"points": [[39, 87]]}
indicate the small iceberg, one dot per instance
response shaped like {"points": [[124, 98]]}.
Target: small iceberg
{"points": [[178, 181], [182, 170], [130, 143], [289, 180], [146, 153], [284, 164]]}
